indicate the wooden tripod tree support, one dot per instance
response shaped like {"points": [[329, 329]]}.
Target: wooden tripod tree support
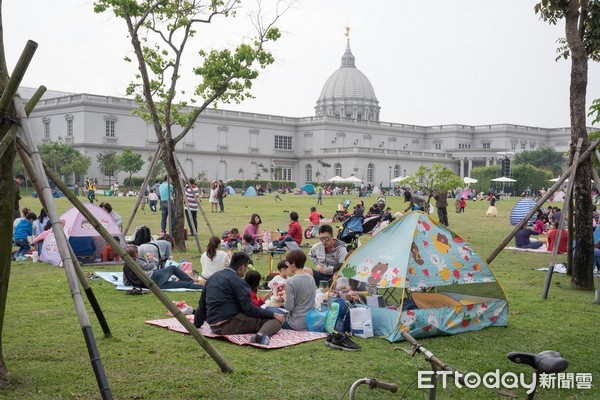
{"points": [[566, 211], [225, 367], [544, 198], [40, 181], [182, 182]]}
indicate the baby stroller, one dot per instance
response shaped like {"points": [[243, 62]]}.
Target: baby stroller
{"points": [[350, 231], [340, 214]]}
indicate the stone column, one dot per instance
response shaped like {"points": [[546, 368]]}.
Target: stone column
{"points": [[487, 162], [470, 161], [462, 167]]}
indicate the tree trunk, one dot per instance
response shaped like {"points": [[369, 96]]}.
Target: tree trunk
{"points": [[168, 160], [583, 259]]}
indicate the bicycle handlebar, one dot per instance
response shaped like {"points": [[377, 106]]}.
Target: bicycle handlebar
{"points": [[392, 387]]}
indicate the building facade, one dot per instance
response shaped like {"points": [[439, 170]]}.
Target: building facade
{"points": [[345, 133]]}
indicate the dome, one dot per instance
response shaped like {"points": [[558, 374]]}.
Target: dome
{"points": [[348, 93]]}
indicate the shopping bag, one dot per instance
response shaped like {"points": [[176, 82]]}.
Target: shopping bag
{"points": [[315, 319], [361, 322]]}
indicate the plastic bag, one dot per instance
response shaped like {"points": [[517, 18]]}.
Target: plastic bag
{"points": [[315, 319], [361, 322]]}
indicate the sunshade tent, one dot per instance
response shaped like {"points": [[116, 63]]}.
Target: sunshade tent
{"points": [[308, 188], [503, 179], [452, 287], [81, 234], [336, 178], [250, 191], [468, 180], [352, 178], [229, 190], [520, 211], [399, 179]]}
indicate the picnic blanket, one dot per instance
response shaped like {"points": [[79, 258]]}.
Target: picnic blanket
{"points": [[116, 278], [283, 338], [543, 249], [562, 269]]}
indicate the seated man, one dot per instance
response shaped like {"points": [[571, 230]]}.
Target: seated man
{"points": [[522, 239], [294, 232], [226, 305], [328, 255]]}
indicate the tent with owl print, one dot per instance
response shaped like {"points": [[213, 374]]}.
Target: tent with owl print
{"points": [[434, 276]]}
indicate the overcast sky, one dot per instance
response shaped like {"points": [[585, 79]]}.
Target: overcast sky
{"points": [[430, 62]]}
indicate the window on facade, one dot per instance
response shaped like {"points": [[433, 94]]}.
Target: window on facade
{"points": [[359, 117], [46, 129], [513, 146], [464, 146], [286, 174], [283, 142], [338, 169], [532, 147], [486, 145], [309, 173], [348, 115], [523, 146], [396, 171], [110, 128], [438, 146], [69, 128], [370, 172]]}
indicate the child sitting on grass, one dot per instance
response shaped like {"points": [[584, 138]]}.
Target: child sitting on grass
{"points": [[23, 230], [277, 285], [233, 238], [252, 278], [109, 254]]}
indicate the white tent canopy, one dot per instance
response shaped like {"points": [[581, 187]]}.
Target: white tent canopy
{"points": [[399, 179], [352, 178], [468, 180], [336, 178], [503, 179]]}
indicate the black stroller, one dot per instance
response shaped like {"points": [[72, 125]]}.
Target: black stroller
{"points": [[350, 231]]}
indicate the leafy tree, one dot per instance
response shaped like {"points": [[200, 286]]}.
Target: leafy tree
{"points": [[130, 162], [545, 158], [434, 178], [527, 175], [581, 42], [159, 169], [108, 163], [484, 176], [159, 32], [64, 159]]}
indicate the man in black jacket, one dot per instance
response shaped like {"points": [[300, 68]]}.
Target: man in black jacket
{"points": [[226, 305]]}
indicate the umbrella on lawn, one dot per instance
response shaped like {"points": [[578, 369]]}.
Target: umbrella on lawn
{"points": [[503, 179], [336, 178], [468, 180], [353, 179], [399, 179]]}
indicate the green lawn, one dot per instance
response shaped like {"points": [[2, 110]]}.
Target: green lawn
{"points": [[48, 359]]}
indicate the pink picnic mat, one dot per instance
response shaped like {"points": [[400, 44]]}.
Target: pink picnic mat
{"points": [[283, 338]]}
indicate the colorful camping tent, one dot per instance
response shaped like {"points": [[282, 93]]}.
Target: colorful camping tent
{"points": [[250, 191], [521, 209], [308, 188], [446, 287], [84, 238], [229, 190]]}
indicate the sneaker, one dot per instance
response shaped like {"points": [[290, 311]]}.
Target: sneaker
{"points": [[260, 339], [342, 342], [21, 258], [328, 339]]}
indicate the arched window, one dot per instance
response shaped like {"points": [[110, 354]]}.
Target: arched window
{"points": [[309, 177], [338, 169], [370, 172], [396, 171]]}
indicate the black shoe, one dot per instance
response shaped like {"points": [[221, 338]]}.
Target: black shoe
{"points": [[343, 342], [328, 339]]}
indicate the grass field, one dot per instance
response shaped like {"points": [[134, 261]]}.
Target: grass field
{"points": [[46, 353]]}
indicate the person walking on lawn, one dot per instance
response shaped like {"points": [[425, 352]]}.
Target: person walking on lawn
{"points": [[226, 305]]}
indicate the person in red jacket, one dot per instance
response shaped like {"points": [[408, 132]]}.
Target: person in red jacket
{"points": [[315, 220], [252, 278], [562, 245], [294, 232]]}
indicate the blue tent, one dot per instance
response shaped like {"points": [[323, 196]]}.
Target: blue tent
{"points": [[520, 210], [308, 188], [229, 190], [250, 191]]}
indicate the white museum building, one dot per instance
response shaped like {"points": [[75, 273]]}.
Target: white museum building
{"points": [[345, 132]]}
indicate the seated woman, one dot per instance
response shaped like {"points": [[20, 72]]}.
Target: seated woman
{"points": [[300, 292], [523, 242], [562, 244], [214, 259], [160, 276]]}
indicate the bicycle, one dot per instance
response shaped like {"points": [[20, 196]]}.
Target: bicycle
{"points": [[546, 362]]}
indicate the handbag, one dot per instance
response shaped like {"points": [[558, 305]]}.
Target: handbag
{"points": [[316, 318], [361, 322]]}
